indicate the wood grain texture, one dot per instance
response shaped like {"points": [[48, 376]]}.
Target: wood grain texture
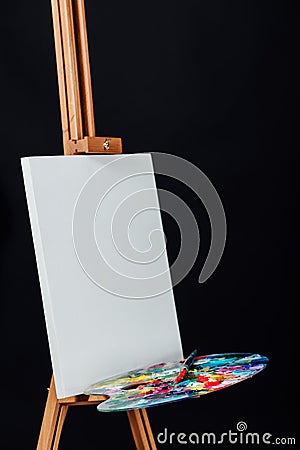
{"points": [[141, 430], [55, 414], [148, 429], [95, 145], [61, 419], [56, 411], [71, 69], [60, 72], [84, 69], [78, 400], [132, 417], [74, 80], [50, 419]]}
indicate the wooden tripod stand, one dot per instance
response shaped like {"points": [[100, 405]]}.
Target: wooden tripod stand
{"points": [[78, 124]]}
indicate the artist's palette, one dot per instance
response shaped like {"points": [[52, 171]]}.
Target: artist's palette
{"points": [[155, 385]]}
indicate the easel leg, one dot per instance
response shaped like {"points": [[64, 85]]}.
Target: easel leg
{"points": [[55, 414], [53, 420], [60, 423], [141, 430], [148, 429]]}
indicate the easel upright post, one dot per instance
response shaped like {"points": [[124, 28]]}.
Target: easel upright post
{"points": [[74, 82], [78, 125]]}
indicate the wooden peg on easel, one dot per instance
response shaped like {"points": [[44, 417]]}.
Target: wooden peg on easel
{"points": [[77, 116]]}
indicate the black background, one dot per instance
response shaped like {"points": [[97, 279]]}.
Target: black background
{"points": [[214, 82]]}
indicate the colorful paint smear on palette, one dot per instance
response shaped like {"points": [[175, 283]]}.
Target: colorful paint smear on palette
{"points": [[155, 385]]}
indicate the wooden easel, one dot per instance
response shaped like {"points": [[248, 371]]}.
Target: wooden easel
{"points": [[77, 115]]}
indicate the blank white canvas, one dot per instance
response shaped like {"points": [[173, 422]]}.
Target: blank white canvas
{"points": [[97, 323]]}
